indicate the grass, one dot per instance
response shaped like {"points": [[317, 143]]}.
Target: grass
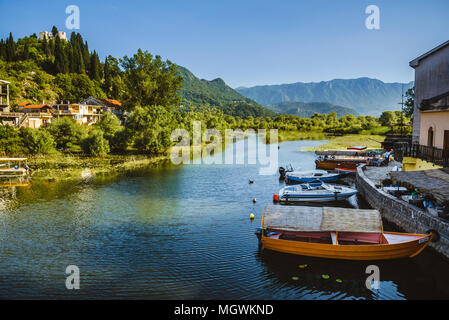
{"points": [[65, 167], [299, 135], [343, 142]]}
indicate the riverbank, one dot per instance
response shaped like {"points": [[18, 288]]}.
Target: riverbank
{"points": [[343, 142], [300, 135], [65, 167]]}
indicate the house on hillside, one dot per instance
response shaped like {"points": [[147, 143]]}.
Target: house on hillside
{"points": [[21, 105], [80, 112], [108, 105], [36, 115], [4, 96], [431, 110]]}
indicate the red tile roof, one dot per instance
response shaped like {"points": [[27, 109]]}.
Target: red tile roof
{"points": [[36, 106], [111, 102], [22, 104]]}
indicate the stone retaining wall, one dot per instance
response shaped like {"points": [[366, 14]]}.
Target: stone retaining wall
{"points": [[403, 215]]}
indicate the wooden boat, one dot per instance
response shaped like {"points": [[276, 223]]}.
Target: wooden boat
{"points": [[332, 162], [310, 176], [315, 192], [335, 233], [13, 167]]}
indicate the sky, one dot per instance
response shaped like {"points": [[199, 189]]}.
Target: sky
{"points": [[249, 42]]}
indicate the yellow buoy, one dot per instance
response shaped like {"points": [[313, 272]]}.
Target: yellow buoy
{"points": [[251, 216]]}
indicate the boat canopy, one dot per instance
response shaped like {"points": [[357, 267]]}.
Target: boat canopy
{"points": [[13, 159], [301, 218]]}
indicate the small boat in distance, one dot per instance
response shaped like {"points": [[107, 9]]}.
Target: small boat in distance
{"points": [[335, 233], [315, 192], [310, 176]]}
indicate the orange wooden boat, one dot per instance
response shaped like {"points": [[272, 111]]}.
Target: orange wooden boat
{"points": [[336, 233]]}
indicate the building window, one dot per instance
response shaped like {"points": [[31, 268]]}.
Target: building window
{"points": [[430, 134]]}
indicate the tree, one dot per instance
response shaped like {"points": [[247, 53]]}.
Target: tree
{"points": [[61, 59], [151, 128], [11, 142], [388, 119], [54, 31], [66, 132], [409, 102], [109, 124], [10, 48], [150, 81], [95, 66], [95, 144], [37, 141]]}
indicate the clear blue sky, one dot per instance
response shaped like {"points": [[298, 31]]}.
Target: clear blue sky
{"points": [[251, 42]]}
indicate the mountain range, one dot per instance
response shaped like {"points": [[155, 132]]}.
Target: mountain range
{"points": [[365, 95]]}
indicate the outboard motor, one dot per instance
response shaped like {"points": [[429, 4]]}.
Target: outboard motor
{"points": [[282, 173]]}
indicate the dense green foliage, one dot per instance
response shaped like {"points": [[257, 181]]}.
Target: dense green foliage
{"points": [[216, 93], [308, 109]]}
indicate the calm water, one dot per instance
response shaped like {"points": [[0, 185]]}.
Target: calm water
{"points": [[179, 232]]}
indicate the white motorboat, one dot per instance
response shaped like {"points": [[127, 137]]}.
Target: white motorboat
{"points": [[315, 192], [310, 176]]}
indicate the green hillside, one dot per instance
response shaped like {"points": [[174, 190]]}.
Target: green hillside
{"points": [[216, 93], [308, 109]]}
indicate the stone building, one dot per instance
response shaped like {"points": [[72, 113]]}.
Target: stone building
{"points": [[48, 35], [431, 110]]}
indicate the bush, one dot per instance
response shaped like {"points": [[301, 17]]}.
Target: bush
{"points": [[95, 144], [119, 142], [37, 141], [66, 132], [11, 144]]}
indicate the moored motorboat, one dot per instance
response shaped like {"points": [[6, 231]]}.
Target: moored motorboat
{"points": [[310, 176], [315, 192], [336, 233]]}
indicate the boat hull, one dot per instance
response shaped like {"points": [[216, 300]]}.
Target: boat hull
{"points": [[296, 180], [333, 164], [310, 198], [350, 252]]}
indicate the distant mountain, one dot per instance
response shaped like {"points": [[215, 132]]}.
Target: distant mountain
{"points": [[307, 109], [365, 95], [216, 93]]}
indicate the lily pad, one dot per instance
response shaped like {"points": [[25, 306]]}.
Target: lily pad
{"points": [[339, 280], [302, 266], [295, 278], [325, 276]]}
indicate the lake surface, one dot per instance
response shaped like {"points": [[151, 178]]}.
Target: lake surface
{"points": [[180, 232]]}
